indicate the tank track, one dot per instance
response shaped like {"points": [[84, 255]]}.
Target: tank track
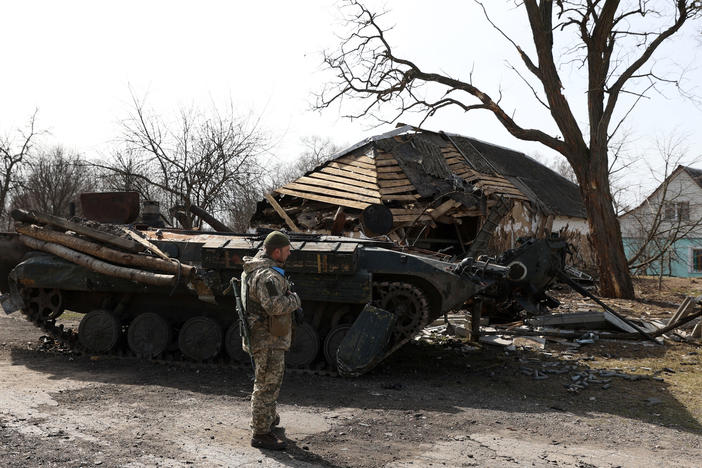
{"points": [[43, 309]]}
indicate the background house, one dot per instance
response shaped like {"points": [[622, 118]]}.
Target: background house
{"points": [[663, 235], [440, 189]]}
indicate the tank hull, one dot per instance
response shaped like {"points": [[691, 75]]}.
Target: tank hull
{"points": [[335, 277]]}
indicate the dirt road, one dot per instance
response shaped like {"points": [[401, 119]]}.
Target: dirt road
{"points": [[428, 406]]}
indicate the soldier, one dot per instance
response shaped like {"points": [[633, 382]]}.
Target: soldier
{"points": [[269, 304]]}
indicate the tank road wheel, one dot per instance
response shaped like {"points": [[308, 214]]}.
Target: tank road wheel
{"points": [[407, 302], [200, 338], [232, 344], [304, 346], [99, 331], [332, 342], [148, 335], [43, 304]]}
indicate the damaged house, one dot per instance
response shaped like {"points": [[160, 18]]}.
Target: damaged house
{"points": [[434, 191]]}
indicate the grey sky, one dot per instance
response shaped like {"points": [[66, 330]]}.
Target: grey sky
{"points": [[76, 60]]}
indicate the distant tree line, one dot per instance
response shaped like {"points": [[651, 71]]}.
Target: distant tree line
{"points": [[218, 161]]}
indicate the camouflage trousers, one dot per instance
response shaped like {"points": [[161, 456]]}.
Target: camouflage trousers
{"points": [[270, 366]]}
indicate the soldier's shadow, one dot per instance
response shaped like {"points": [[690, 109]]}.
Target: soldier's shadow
{"points": [[297, 454]]}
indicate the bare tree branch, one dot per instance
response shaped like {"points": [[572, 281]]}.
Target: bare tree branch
{"points": [[607, 39]]}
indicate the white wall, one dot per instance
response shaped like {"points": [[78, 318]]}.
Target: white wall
{"points": [[681, 187], [578, 225]]}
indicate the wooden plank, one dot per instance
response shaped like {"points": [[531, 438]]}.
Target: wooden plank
{"points": [[386, 162], [490, 191], [486, 177], [443, 208], [393, 183], [410, 197], [281, 212], [350, 168], [683, 310], [458, 166], [502, 190], [399, 189], [392, 176], [344, 180], [506, 185], [406, 211], [136, 237], [503, 182], [468, 174], [386, 169], [501, 187], [350, 175], [454, 159], [410, 218], [330, 200], [383, 156], [333, 193], [507, 188], [512, 193], [346, 187], [358, 158], [360, 164]]}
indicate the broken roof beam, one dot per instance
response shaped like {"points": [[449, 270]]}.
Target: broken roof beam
{"points": [[281, 212]]}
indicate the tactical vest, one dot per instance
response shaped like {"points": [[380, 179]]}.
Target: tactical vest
{"points": [[251, 305]]}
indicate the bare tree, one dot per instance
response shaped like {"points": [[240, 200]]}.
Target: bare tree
{"points": [[318, 150], [208, 161], [562, 167], [52, 181], [14, 152], [610, 41], [128, 172]]}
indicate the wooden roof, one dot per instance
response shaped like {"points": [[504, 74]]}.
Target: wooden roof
{"points": [[370, 175]]}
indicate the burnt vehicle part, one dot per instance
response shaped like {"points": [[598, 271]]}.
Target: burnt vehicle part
{"points": [[336, 277], [491, 286]]}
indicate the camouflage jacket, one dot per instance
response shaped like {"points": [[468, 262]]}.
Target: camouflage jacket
{"points": [[268, 303]]}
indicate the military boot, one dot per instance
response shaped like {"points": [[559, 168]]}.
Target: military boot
{"points": [[268, 441]]}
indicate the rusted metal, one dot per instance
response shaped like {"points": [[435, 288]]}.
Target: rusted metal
{"points": [[110, 207]]}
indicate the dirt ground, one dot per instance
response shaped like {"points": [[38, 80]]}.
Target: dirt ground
{"points": [[440, 404]]}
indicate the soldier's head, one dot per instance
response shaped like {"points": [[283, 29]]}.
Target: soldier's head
{"points": [[277, 246]]}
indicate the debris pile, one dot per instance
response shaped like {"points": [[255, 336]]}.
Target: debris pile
{"points": [[561, 336]]}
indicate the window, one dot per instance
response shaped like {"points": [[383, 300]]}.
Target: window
{"points": [[676, 211], [684, 211], [669, 211], [697, 260]]}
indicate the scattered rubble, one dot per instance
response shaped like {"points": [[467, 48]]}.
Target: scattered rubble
{"points": [[559, 335]]}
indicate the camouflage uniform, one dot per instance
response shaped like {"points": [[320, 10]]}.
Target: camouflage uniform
{"points": [[269, 305]]}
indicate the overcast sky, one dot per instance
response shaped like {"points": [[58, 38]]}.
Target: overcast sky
{"points": [[75, 61]]}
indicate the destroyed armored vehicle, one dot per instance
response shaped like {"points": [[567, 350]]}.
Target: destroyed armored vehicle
{"points": [[163, 293]]}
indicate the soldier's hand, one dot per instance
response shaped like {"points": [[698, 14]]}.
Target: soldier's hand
{"points": [[299, 316], [297, 299]]}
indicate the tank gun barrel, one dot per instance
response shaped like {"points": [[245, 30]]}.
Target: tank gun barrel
{"points": [[515, 271]]}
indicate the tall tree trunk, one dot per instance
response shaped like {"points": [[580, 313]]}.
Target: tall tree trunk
{"points": [[605, 232]]}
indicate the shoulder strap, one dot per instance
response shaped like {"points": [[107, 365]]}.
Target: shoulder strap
{"points": [[279, 270]]}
